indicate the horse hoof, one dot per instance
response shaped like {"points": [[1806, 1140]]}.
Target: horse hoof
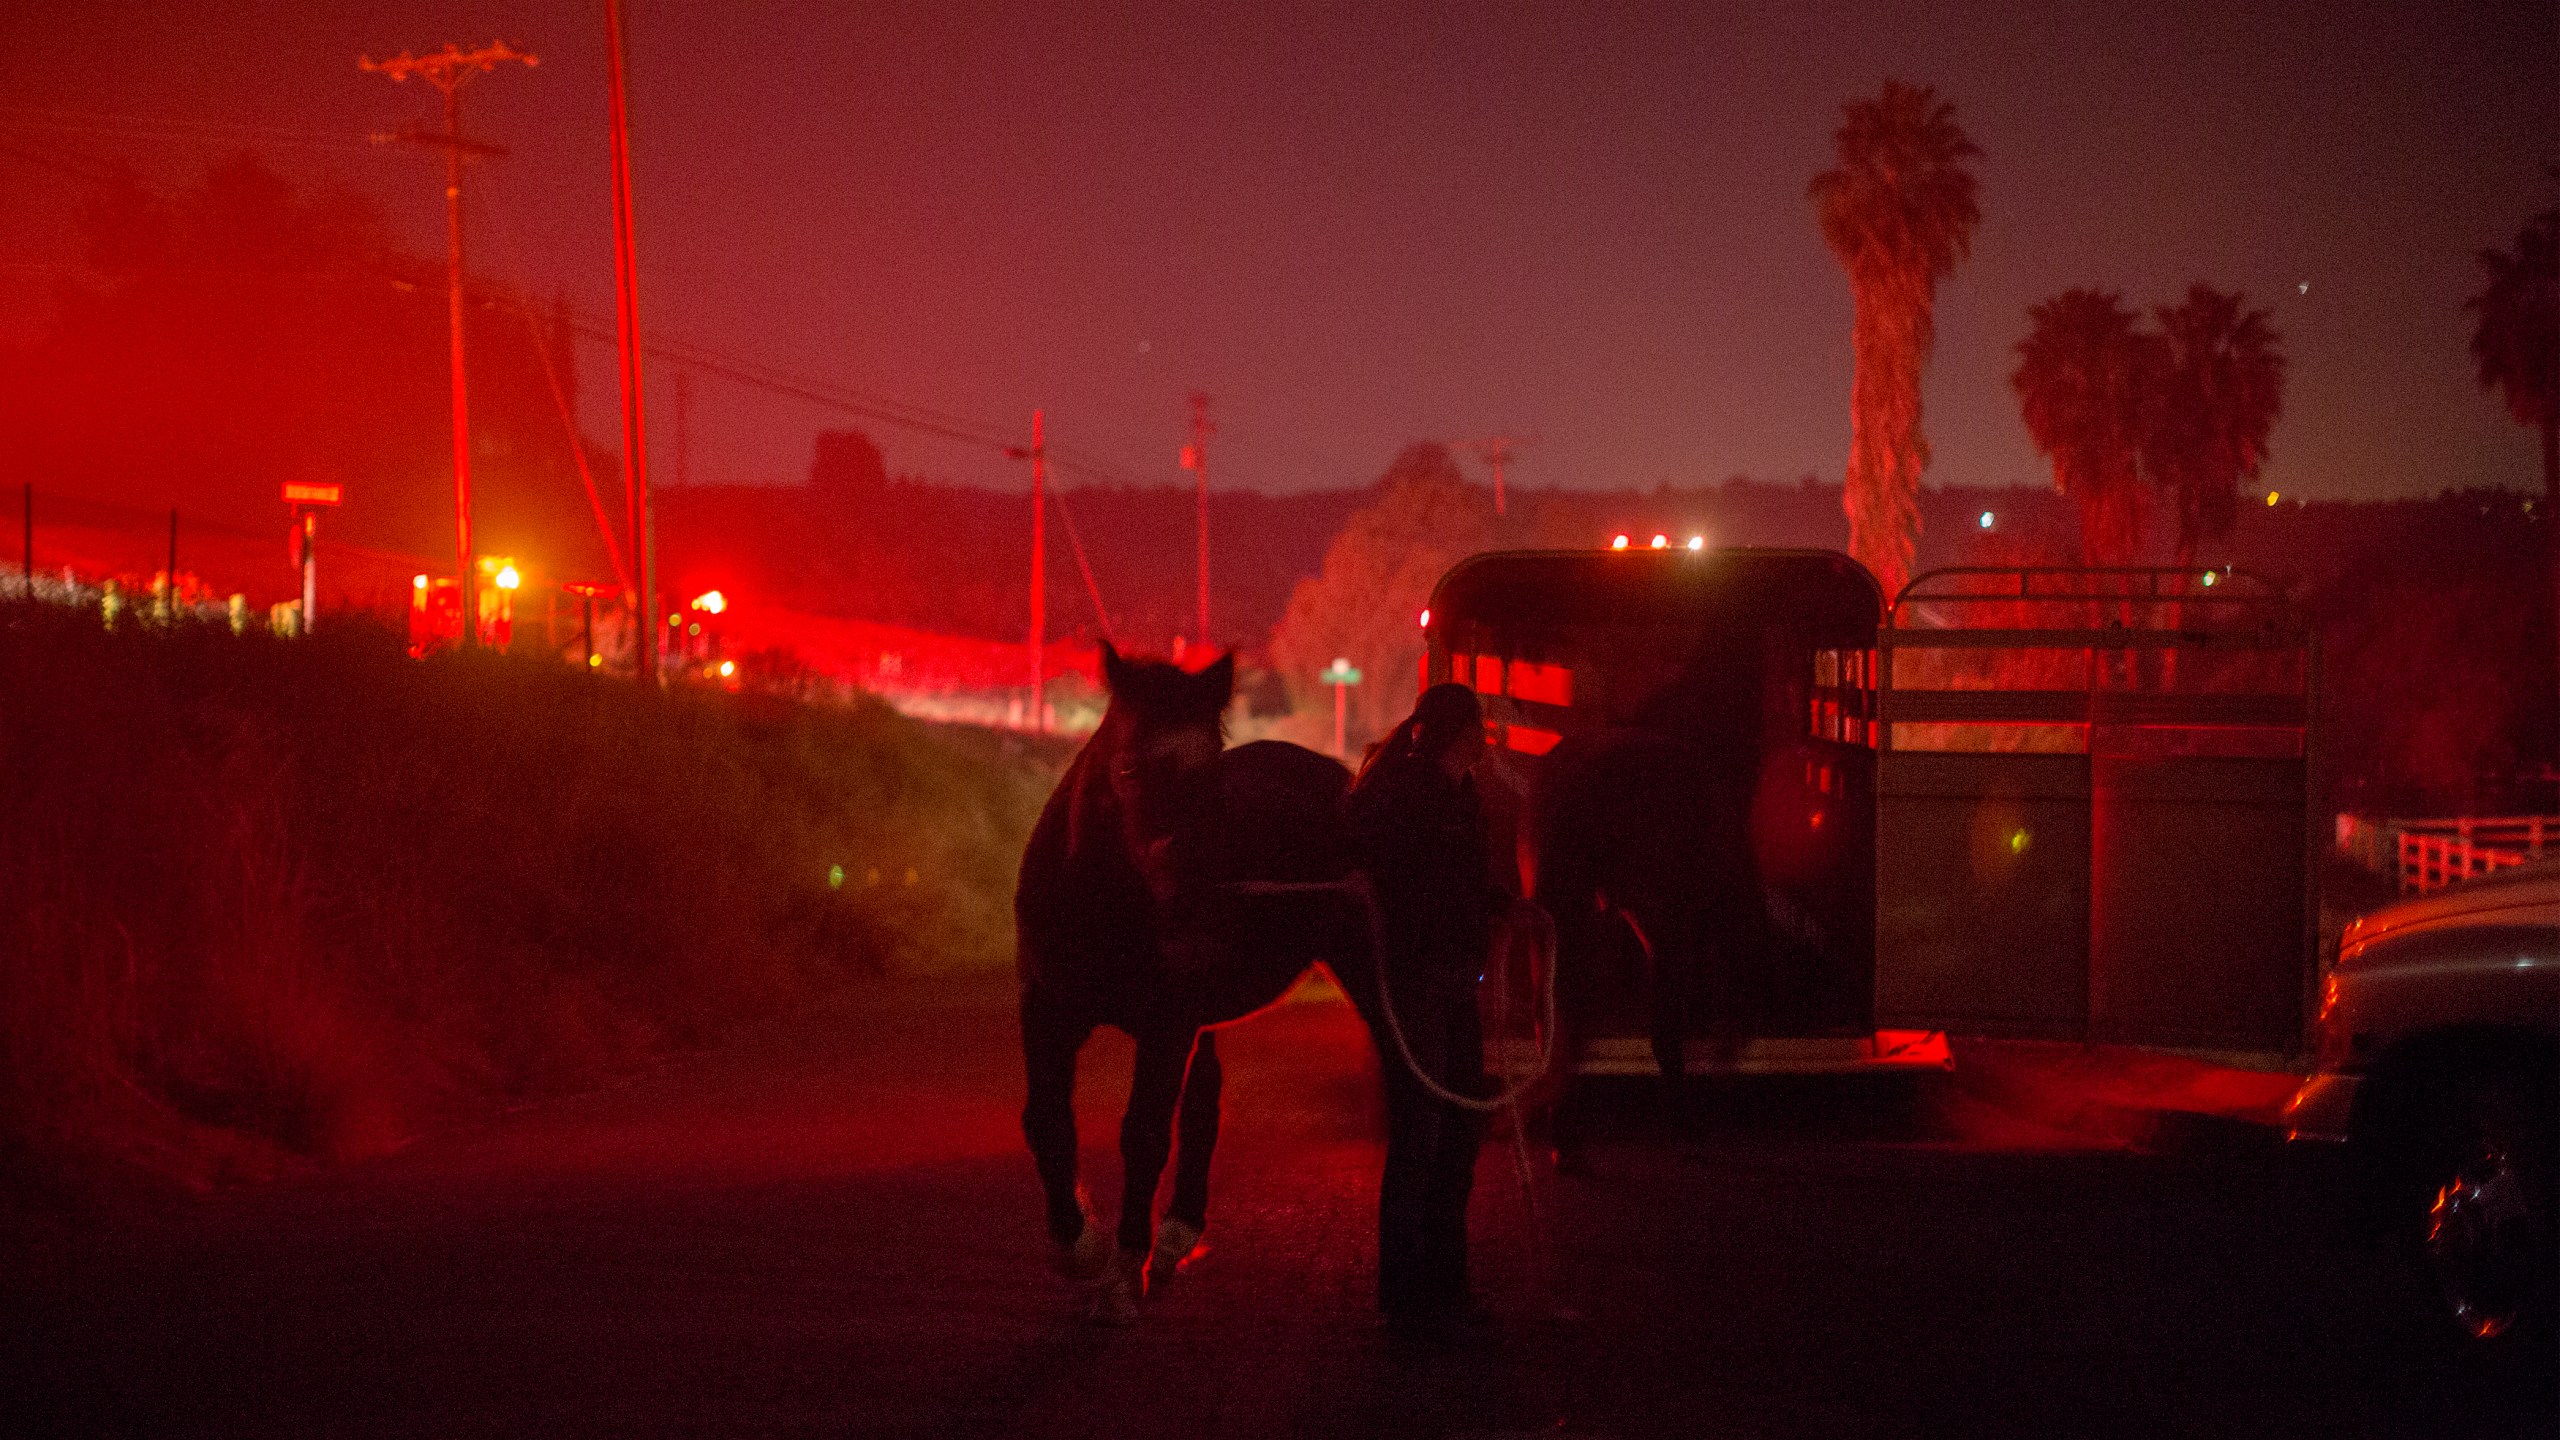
{"points": [[1176, 1242], [1115, 1299], [1087, 1262]]}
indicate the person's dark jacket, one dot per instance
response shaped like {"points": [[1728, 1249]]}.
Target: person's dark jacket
{"points": [[1422, 844]]}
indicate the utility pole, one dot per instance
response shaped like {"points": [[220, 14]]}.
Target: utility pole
{"points": [[449, 70], [1195, 458], [626, 290], [1038, 455], [1496, 451], [684, 427]]}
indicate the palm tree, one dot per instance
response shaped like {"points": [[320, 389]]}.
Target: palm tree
{"points": [[2517, 344], [2220, 391], [1898, 211], [2087, 374]]}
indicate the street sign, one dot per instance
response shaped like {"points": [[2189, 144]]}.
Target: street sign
{"points": [[1340, 672], [298, 493]]}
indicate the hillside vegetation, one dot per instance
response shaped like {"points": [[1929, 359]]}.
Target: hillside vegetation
{"points": [[269, 899]]}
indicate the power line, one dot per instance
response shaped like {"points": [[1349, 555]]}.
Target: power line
{"points": [[166, 129], [559, 392]]}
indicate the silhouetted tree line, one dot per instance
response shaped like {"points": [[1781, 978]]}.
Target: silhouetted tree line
{"points": [[243, 331]]}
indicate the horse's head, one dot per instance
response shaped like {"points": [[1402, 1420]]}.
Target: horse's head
{"points": [[1165, 728]]}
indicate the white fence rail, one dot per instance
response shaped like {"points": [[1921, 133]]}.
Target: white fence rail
{"points": [[2431, 854]]}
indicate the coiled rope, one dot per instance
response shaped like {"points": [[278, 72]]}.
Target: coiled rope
{"points": [[1542, 939]]}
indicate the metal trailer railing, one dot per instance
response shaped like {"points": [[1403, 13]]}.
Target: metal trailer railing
{"points": [[2093, 813]]}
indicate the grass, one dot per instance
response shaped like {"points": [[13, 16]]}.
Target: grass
{"points": [[269, 902]]}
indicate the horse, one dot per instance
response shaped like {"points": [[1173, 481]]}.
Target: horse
{"points": [[1157, 895], [1643, 855]]}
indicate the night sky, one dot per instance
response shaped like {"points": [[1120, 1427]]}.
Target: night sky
{"points": [[1358, 225]]}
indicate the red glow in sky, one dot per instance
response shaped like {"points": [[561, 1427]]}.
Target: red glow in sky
{"points": [[1359, 225]]}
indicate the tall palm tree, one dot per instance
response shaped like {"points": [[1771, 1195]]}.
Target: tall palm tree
{"points": [[2087, 374], [2517, 343], [1898, 211], [2220, 390]]}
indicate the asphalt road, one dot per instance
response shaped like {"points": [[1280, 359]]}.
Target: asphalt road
{"points": [[832, 1229]]}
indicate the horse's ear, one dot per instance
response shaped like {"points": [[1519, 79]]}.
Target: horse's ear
{"points": [[1114, 669], [1221, 676]]}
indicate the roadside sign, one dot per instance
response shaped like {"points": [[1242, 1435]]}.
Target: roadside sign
{"points": [[1340, 672], [299, 493]]}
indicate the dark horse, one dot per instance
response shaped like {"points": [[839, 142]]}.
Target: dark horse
{"points": [[1137, 908]]}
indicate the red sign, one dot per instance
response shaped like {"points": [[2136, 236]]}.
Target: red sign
{"points": [[298, 493]]}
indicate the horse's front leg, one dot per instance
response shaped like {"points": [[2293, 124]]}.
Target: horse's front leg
{"points": [[1196, 1139], [1146, 1131], [1051, 1036], [1146, 1141]]}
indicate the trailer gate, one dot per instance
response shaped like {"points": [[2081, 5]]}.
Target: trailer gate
{"points": [[2093, 809]]}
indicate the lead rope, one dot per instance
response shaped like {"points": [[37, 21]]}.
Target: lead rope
{"points": [[1541, 935]]}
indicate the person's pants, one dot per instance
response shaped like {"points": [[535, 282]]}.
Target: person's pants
{"points": [[1431, 1144]]}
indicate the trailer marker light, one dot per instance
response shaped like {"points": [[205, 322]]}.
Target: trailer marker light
{"points": [[1426, 619]]}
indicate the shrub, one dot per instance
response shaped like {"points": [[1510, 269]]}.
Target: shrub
{"points": [[271, 899]]}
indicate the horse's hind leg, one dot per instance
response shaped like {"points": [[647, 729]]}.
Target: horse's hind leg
{"points": [[1196, 1133], [1051, 1036]]}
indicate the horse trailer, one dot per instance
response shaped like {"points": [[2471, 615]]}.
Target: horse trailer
{"points": [[1782, 825]]}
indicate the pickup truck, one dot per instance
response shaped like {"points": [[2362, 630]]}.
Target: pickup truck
{"points": [[2438, 1069]]}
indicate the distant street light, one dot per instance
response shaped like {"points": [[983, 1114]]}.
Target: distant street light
{"points": [[305, 497], [1341, 675]]}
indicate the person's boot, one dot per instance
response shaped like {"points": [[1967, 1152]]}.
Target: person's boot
{"points": [[1116, 1296]]}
